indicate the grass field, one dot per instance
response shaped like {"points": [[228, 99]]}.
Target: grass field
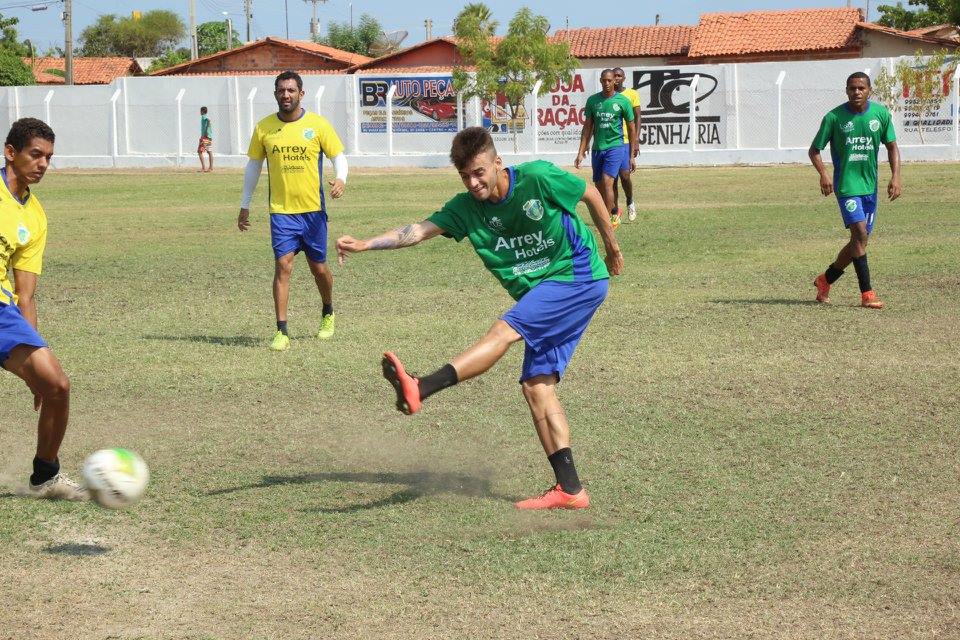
{"points": [[760, 466]]}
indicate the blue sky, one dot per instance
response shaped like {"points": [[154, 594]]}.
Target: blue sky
{"points": [[45, 28]]}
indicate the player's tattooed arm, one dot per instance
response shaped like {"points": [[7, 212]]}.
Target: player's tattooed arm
{"points": [[405, 236]]}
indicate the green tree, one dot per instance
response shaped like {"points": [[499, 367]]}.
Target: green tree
{"points": [[13, 72], [511, 67], [9, 38], [928, 14], [924, 82], [212, 38], [169, 58], [343, 36], [153, 34]]}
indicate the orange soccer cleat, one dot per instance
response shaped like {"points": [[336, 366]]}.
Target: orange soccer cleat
{"points": [[556, 498], [406, 386], [823, 288], [868, 300]]}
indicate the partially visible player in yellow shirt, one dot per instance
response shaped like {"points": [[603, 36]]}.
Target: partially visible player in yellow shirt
{"points": [[628, 167], [23, 352], [294, 141]]}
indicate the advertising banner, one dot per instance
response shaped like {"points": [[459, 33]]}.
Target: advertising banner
{"points": [[665, 105], [421, 104]]}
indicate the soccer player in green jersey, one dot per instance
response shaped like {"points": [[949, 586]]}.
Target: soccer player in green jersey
{"points": [[855, 131], [23, 352], [522, 223], [627, 168], [606, 114], [294, 141]]}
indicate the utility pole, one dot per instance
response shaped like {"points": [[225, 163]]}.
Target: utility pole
{"points": [[248, 10], [314, 22], [428, 23], [226, 16], [286, 12], [194, 47], [68, 42]]}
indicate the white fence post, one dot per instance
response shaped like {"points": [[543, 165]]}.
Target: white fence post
{"points": [[780, 77], [126, 117], [390, 92], [16, 104], [956, 113], [478, 111], [250, 96], [536, 121], [114, 151], [317, 98], [179, 100], [354, 81], [736, 102], [693, 112], [236, 104], [461, 116], [46, 106]]}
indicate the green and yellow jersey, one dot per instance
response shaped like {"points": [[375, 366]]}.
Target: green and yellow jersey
{"points": [[23, 236], [608, 115], [855, 140], [294, 152], [531, 235]]}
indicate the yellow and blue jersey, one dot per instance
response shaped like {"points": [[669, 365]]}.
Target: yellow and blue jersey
{"points": [[294, 152], [634, 98], [23, 236]]}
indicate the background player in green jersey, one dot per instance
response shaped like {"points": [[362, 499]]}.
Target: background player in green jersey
{"points": [[606, 114], [522, 223], [627, 168], [23, 352], [855, 131]]}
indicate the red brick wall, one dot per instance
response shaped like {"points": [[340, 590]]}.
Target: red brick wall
{"points": [[439, 53], [268, 56]]}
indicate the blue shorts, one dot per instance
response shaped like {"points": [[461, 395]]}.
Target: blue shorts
{"points": [[858, 208], [609, 161], [15, 331], [293, 232], [551, 318], [626, 158]]}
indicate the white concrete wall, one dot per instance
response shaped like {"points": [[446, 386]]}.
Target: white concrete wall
{"points": [[742, 116]]}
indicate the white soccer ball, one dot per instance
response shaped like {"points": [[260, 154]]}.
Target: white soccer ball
{"points": [[116, 478]]}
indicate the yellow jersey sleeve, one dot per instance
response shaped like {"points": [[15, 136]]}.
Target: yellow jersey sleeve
{"points": [[634, 98], [29, 257], [23, 237], [256, 151], [329, 140]]}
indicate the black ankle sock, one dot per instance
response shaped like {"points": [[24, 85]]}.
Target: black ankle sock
{"points": [[282, 326], [566, 473], [43, 471], [445, 376], [863, 272], [327, 309], [832, 274]]}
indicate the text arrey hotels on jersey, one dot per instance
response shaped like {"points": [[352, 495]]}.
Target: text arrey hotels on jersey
{"points": [[525, 246], [859, 143], [291, 153]]}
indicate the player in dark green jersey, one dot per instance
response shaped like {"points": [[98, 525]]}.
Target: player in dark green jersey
{"points": [[855, 131], [522, 223]]}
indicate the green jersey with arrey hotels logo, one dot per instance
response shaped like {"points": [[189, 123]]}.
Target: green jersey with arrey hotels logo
{"points": [[531, 235], [855, 140]]}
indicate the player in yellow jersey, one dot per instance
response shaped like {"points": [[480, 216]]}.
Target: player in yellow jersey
{"points": [[23, 235], [628, 167], [293, 141]]}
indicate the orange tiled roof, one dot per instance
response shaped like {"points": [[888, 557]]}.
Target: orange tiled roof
{"points": [[85, 70], [922, 35], [618, 42], [345, 57], [265, 72], [725, 34]]}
